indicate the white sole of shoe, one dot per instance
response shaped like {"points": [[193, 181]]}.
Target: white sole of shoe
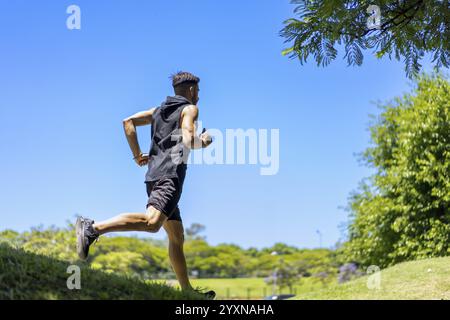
{"points": [[80, 238]]}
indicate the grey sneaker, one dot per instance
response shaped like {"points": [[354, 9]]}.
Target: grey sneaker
{"points": [[210, 295], [86, 235]]}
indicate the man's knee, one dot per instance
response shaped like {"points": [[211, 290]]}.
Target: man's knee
{"points": [[154, 221], [152, 226]]}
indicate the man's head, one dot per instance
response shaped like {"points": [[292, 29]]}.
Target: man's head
{"points": [[186, 84]]}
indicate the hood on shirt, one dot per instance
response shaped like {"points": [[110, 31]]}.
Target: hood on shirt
{"points": [[172, 104]]}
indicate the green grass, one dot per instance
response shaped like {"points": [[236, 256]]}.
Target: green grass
{"points": [[248, 288], [25, 275], [422, 279]]}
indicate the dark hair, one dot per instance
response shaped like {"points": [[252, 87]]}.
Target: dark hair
{"points": [[184, 78]]}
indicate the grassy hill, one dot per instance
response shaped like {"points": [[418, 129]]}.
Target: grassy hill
{"points": [[422, 279], [25, 275]]}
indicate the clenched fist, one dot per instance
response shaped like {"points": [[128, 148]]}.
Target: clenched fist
{"points": [[141, 159], [206, 138]]}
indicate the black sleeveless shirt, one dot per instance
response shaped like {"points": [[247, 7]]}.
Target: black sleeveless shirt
{"points": [[168, 155]]}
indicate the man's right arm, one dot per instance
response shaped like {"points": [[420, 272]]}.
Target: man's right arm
{"points": [[129, 124]]}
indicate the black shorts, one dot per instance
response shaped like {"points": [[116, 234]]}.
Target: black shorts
{"points": [[164, 195]]}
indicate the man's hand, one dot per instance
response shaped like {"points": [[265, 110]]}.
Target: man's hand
{"points": [[206, 138], [141, 159]]}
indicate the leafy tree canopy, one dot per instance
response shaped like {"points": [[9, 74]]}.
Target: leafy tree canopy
{"points": [[407, 30]]}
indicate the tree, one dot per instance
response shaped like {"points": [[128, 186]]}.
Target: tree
{"points": [[285, 276], [408, 29], [193, 231], [403, 211], [125, 262]]}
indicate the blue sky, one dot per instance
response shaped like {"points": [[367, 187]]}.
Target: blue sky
{"points": [[65, 93]]}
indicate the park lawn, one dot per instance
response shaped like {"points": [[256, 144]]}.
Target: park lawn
{"points": [[248, 288], [422, 279]]}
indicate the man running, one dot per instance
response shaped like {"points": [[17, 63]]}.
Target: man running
{"points": [[173, 133]]}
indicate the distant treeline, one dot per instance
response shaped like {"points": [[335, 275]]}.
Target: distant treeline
{"points": [[148, 258]]}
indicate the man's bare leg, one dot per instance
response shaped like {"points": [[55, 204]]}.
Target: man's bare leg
{"points": [[151, 221], [175, 233]]}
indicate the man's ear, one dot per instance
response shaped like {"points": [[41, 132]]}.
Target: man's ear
{"points": [[192, 90]]}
